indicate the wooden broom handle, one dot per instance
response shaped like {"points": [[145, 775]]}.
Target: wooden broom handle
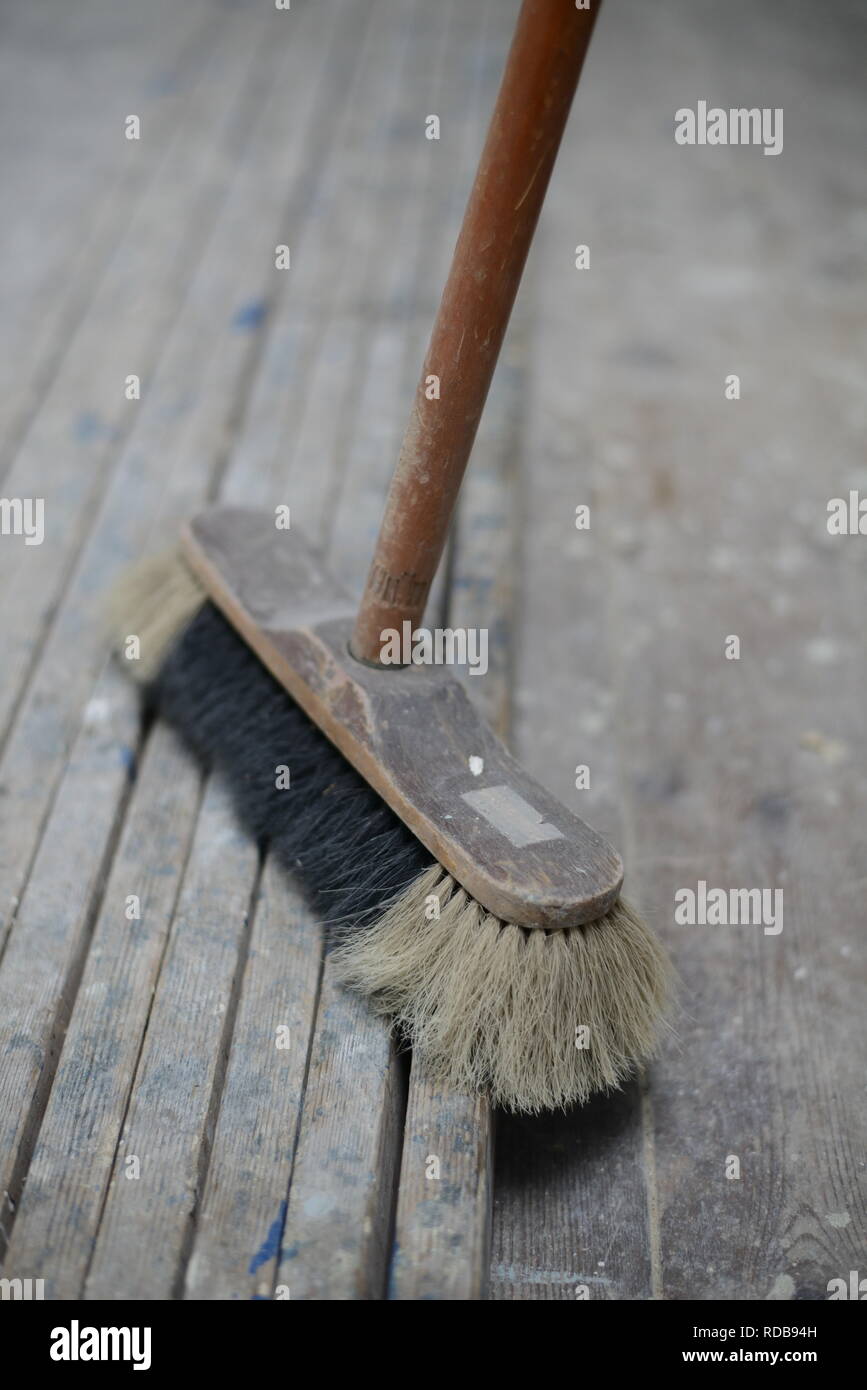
{"points": [[533, 104]]}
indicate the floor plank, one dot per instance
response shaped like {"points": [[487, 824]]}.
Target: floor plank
{"points": [[41, 969], [165, 1143], [58, 1215], [65, 91], [239, 1227]]}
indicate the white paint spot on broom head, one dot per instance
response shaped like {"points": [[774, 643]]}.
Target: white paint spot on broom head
{"points": [[476, 765]]}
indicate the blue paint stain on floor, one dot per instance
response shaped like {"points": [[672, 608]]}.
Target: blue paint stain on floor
{"points": [[89, 426], [271, 1244], [250, 316], [164, 84]]}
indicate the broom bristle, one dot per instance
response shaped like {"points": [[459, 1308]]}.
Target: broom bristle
{"points": [[153, 602], [540, 1020], [486, 1005]]}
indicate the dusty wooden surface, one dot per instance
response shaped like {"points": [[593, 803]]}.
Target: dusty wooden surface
{"points": [[155, 1140]]}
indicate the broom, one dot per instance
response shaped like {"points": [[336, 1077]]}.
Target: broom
{"points": [[460, 897]]}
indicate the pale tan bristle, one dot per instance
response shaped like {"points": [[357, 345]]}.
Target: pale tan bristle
{"points": [[153, 603], [489, 1006]]}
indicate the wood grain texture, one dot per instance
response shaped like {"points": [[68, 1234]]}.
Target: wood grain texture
{"points": [[86, 411], [42, 965], [69, 197], [162, 1156], [239, 1226], [336, 1241], [142, 501], [57, 702], [442, 1227], [569, 1208], [45, 683], [58, 1216], [750, 773]]}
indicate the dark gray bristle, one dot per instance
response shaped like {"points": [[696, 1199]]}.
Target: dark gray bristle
{"points": [[350, 853]]}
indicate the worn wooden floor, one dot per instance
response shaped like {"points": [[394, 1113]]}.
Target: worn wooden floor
{"points": [[154, 1142]]}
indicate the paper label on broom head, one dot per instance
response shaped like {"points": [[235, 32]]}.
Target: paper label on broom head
{"points": [[514, 817]]}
